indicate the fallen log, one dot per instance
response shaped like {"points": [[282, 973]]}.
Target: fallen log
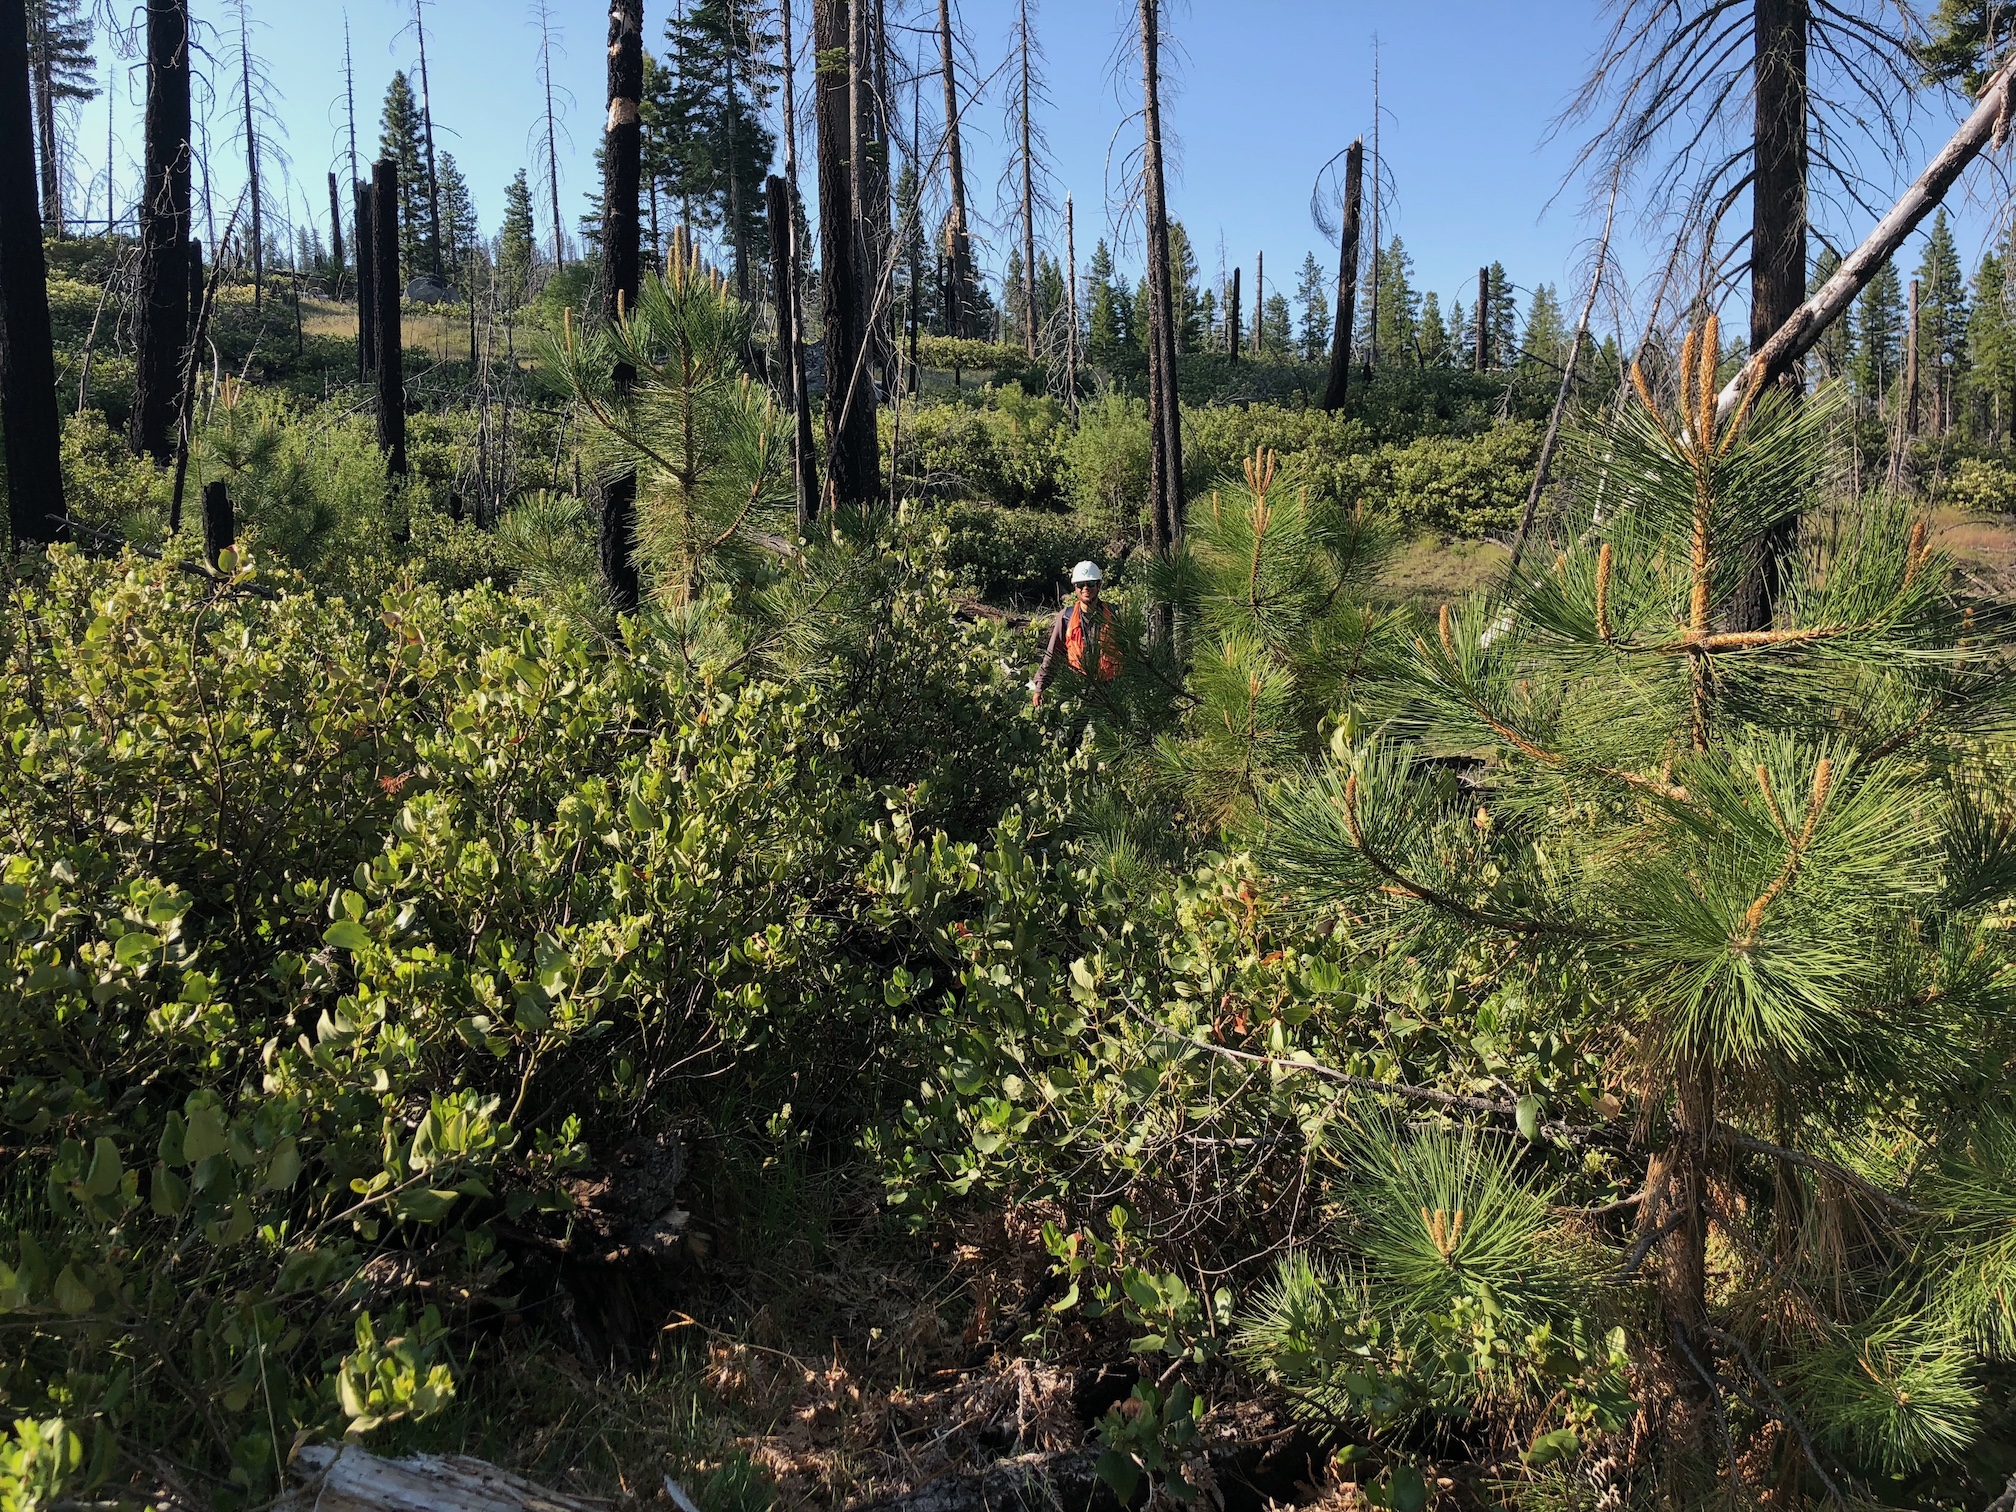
{"points": [[345, 1478]]}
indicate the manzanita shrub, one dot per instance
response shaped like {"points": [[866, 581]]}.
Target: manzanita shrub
{"points": [[332, 935]]}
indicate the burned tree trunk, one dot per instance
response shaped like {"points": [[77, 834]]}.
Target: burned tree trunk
{"points": [[163, 292], [1259, 304], [622, 170], [853, 465], [427, 141], [33, 442], [1339, 387], [252, 168], [959, 276], [1911, 367], [336, 239], [1232, 319], [219, 529], [791, 354], [367, 284], [1165, 418], [1028, 196], [385, 336], [1483, 319], [1777, 251]]}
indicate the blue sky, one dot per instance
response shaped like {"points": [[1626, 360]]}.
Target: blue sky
{"points": [[1264, 92]]}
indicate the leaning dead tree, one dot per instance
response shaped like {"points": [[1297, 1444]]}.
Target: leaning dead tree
{"points": [[1782, 349], [163, 290], [33, 445]]}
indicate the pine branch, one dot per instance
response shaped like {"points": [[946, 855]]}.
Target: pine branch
{"points": [[1727, 1136]]}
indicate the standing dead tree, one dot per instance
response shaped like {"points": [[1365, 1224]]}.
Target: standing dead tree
{"points": [[958, 225], [386, 336], [1029, 92], [163, 289], [1723, 98], [427, 141], [258, 229], [550, 138], [1339, 386], [1165, 415], [853, 465], [33, 446], [622, 175]]}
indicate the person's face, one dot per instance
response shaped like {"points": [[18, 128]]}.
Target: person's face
{"points": [[1088, 593]]}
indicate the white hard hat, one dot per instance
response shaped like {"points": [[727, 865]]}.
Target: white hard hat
{"points": [[1087, 572]]}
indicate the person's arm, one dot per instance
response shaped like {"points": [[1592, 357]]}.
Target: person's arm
{"points": [[1051, 651]]}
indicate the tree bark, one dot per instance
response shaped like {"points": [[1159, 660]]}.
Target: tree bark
{"points": [[852, 465], [385, 336], [1071, 307], [622, 173], [1028, 195], [33, 439], [1338, 389], [552, 136], [958, 232], [791, 355], [1777, 251], [367, 284], [336, 238], [252, 168], [1988, 121], [1165, 470], [42, 66], [1911, 366], [1232, 327], [1483, 318], [1259, 303], [163, 285], [219, 529]]}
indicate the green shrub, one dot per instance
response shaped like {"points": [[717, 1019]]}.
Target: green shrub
{"points": [[1014, 556], [1470, 486], [1106, 463], [1006, 448], [1986, 484]]}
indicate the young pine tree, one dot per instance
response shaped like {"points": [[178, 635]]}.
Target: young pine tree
{"points": [[710, 448], [1277, 330], [1268, 583], [1991, 343], [1759, 874], [1545, 343], [1436, 348]]}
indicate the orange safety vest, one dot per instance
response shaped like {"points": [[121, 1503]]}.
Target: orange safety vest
{"points": [[1102, 638]]}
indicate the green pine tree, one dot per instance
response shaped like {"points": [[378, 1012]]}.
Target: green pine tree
{"points": [[1111, 342], [462, 255], [1544, 345], [1763, 872], [517, 242], [1966, 39], [1942, 324], [1399, 311], [1192, 331], [1313, 294], [712, 139], [1879, 349], [1436, 350], [1833, 356], [1502, 330], [400, 139], [1991, 343], [1277, 331]]}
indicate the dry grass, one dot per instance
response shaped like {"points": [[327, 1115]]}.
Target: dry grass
{"points": [[1430, 571], [1982, 546]]}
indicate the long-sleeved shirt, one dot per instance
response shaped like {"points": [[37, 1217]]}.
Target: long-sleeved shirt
{"points": [[1060, 629]]}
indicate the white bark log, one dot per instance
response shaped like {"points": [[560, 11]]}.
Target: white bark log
{"points": [[345, 1478]]}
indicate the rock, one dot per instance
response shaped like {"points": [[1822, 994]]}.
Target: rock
{"points": [[429, 290], [345, 1478]]}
